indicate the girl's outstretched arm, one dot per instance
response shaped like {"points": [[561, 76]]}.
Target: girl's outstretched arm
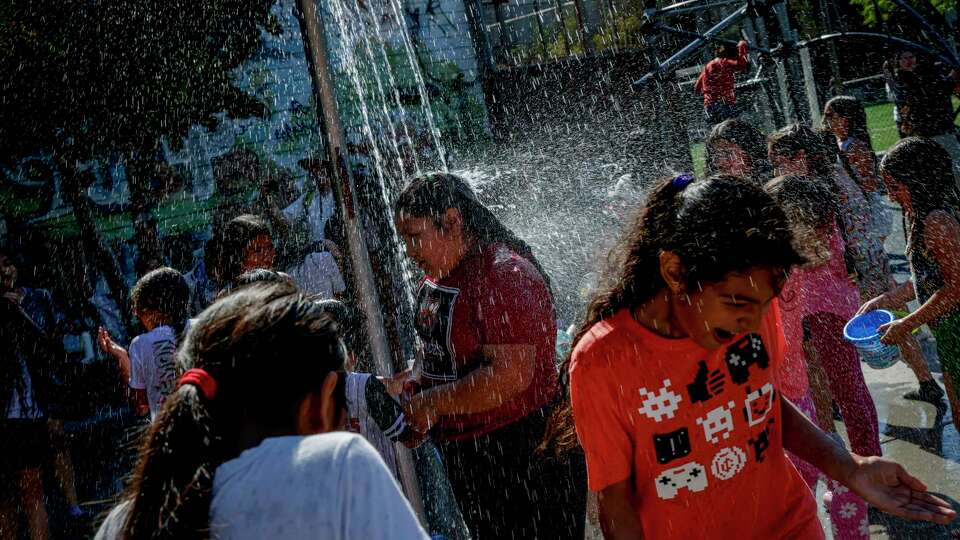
{"points": [[618, 520], [941, 234], [892, 299], [881, 482]]}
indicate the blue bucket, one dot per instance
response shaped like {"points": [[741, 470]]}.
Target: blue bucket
{"points": [[862, 332]]}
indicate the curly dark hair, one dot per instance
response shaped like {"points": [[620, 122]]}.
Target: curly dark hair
{"points": [[716, 226]]}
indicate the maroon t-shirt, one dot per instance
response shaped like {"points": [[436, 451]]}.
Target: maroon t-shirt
{"points": [[493, 297]]}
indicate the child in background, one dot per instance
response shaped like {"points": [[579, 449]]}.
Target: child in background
{"points": [[673, 386], [816, 302], [737, 148], [846, 119], [798, 149], [252, 413], [160, 300], [717, 82], [916, 171]]}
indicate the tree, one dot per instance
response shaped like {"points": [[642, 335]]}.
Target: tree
{"points": [[84, 78], [875, 12]]}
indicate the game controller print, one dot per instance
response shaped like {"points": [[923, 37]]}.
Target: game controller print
{"points": [[743, 354], [691, 476]]}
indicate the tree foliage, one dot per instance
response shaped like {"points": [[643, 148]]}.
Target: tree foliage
{"points": [[875, 12], [110, 75]]}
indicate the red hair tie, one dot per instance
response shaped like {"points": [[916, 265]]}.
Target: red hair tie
{"points": [[202, 380]]}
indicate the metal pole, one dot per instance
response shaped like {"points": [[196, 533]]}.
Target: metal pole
{"points": [[563, 27], [328, 120], [691, 48], [793, 75], [929, 28]]}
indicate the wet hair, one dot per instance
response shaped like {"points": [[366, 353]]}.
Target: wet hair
{"points": [[262, 275], [431, 195], [165, 291], [820, 151], [749, 139], [924, 168], [232, 244], [252, 343], [809, 207], [725, 50], [715, 226], [852, 110]]}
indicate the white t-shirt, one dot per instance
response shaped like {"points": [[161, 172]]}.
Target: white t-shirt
{"points": [[318, 274], [332, 486], [152, 366], [320, 210]]}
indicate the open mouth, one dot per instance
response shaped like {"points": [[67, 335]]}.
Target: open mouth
{"points": [[722, 336]]}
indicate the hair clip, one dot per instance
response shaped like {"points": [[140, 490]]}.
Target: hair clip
{"points": [[682, 180]]}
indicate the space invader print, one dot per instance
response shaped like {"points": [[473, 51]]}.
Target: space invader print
{"points": [[747, 352], [691, 476], [660, 404], [758, 404], [718, 422], [761, 442]]}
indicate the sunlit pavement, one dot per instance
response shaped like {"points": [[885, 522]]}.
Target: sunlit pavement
{"points": [[918, 435]]}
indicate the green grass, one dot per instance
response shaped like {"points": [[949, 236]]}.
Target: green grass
{"points": [[882, 128]]}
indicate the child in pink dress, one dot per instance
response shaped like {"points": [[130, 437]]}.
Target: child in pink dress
{"points": [[816, 302]]}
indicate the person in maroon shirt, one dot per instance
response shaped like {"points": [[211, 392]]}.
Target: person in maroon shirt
{"points": [[488, 377], [717, 83]]}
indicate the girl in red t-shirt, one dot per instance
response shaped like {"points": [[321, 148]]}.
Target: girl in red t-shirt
{"points": [[488, 377], [673, 381]]}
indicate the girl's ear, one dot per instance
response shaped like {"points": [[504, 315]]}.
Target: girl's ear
{"points": [[452, 222], [319, 411], [672, 271]]}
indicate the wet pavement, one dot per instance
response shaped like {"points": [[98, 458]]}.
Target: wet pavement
{"points": [[919, 435]]}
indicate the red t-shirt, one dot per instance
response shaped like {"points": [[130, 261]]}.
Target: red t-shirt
{"points": [[697, 432], [494, 297], [716, 81]]}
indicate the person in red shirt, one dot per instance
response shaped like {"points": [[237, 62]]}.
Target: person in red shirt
{"points": [[488, 375], [674, 381], [717, 83]]}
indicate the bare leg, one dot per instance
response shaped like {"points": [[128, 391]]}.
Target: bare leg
{"points": [[31, 486], [952, 396], [9, 521], [63, 464], [913, 356]]}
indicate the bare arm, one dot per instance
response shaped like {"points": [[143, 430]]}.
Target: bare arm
{"points": [[509, 372], [863, 162], [892, 299], [819, 389], [618, 519], [109, 346], [881, 482], [941, 234]]}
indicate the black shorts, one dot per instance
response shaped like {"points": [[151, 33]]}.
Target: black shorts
{"points": [[25, 444]]}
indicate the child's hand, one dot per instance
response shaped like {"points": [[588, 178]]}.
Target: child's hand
{"points": [[893, 333], [886, 485], [880, 302], [396, 382], [108, 345], [420, 416]]}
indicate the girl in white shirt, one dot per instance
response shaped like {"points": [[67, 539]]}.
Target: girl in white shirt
{"points": [[247, 447]]}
